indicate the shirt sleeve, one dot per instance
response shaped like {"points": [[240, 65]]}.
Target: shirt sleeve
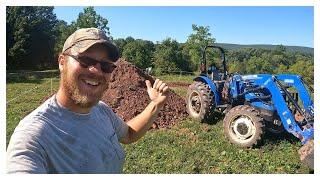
{"points": [[121, 128], [25, 154]]}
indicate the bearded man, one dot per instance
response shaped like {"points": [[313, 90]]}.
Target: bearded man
{"points": [[73, 131]]}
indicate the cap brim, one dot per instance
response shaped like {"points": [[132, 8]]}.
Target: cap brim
{"points": [[112, 50]]}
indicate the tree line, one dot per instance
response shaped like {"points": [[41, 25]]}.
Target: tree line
{"points": [[35, 38]]}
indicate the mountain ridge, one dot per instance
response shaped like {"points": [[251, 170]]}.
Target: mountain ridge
{"points": [[230, 46]]}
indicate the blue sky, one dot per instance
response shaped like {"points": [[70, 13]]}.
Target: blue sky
{"points": [[289, 25]]}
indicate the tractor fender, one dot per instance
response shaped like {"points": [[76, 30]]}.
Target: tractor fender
{"points": [[212, 86]]}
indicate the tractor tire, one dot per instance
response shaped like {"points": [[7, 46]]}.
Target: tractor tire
{"points": [[243, 126], [200, 104]]}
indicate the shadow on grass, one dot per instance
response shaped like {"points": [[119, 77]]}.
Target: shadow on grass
{"points": [[29, 77], [272, 138], [33, 80], [214, 118]]}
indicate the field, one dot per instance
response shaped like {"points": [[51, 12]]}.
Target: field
{"points": [[188, 147]]}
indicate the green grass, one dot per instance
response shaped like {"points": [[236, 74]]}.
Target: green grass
{"points": [[193, 147], [176, 78], [188, 147], [179, 91]]}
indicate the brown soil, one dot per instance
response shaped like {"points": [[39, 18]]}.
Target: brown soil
{"points": [[127, 96], [306, 153]]}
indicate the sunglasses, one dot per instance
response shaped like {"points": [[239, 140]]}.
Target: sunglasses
{"points": [[85, 62]]}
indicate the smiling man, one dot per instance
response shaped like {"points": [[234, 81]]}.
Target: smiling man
{"points": [[73, 131]]}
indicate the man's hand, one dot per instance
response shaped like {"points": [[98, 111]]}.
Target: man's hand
{"points": [[158, 92], [139, 125]]}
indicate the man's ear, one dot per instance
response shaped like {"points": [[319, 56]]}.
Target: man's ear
{"points": [[61, 60]]}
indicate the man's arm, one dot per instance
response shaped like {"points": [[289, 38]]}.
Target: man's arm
{"points": [[25, 154], [139, 125]]}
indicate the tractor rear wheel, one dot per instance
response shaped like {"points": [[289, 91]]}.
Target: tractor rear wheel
{"points": [[200, 104], [244, 126]]}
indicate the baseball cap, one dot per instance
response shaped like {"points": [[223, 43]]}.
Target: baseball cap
{"points": [[83, 39]]}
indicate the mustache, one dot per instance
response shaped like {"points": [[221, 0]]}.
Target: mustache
{"points": [[93, 76]]}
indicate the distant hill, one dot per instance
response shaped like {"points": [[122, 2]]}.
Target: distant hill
{"points": [[265, 46]]}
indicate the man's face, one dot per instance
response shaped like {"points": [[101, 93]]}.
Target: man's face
{"points": [[85, 86]]}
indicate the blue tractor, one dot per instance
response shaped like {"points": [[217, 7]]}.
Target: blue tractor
{"points": [[253, 104]]}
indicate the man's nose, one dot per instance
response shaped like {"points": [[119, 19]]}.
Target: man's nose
{"points": [[95, 68]]}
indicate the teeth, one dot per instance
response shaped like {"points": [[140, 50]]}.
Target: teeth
{"points": [[93, 83]]}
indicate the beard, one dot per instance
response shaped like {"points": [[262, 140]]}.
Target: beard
{"points": [[84, 99]]}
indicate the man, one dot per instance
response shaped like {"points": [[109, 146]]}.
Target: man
{"points": [[74, 132]]}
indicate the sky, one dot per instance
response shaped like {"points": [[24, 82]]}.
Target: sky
{"points": [[289, 25]]}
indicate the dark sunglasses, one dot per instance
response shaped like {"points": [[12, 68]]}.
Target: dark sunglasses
{"points": [[85, 62]]}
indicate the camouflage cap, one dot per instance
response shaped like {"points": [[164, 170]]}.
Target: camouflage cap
{"points": [[83, 39]]}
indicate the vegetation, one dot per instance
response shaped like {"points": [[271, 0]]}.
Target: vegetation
{"points": [[252, 61], [192, 147], [31, 37], [138, 52], [228, 46], [35, 36]]}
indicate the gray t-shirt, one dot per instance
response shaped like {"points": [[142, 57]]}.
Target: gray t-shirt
{"points": [[53, 139]]}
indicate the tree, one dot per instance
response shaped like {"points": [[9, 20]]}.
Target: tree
{"points": [[236, 67], [64, 31], [139, 52], [89, 18], [282, 69], [196, 42], [17, 36], [167, 56], [280, 49], [305, 69], [30, 37], [122, 42]]}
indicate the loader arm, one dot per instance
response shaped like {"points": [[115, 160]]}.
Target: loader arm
{"points": [[271, 83]]}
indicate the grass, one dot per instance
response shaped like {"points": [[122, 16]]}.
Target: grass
{"points": [[188, 147], [193, 147], [176, 78]]}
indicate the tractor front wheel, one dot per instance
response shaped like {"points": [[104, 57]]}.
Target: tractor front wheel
{"points": [[243, 126], [200, 104]]}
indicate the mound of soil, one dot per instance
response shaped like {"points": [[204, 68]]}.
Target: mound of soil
{"points": [[127, 96]]}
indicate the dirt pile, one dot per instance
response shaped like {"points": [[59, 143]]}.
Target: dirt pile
{"points": [[306, 153], [127, 96]]}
